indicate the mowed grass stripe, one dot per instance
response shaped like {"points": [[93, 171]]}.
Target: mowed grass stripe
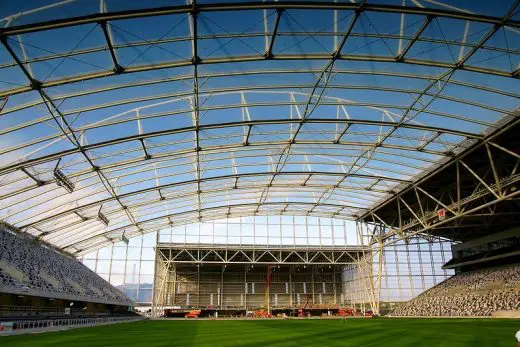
{"points": [[354, 332]]}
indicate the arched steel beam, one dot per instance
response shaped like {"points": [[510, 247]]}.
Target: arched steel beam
{"points": [[215, 178], [275, 89], [330, 101], [156, 227], [224, 36], [76, 227], [254, 73], [257, 58], [54, 156], [285, 5], [138, 162], [214, 195], [193, 216], [361, 197], [173, 215], [153, 204]]}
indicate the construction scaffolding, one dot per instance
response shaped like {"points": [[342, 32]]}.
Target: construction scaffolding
{"points": [[246, 278]]}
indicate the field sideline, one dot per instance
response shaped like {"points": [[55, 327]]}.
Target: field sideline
{"points": [[354, 332]]}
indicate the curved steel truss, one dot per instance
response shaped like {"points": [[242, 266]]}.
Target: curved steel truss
{"points": [[125, 121]]}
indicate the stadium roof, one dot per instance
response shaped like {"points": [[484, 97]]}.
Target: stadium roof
{"points": [[134, 116]]}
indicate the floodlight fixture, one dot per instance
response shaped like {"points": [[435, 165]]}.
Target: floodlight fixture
{"points": [[63, 181], [124, 238], [102, 217]]}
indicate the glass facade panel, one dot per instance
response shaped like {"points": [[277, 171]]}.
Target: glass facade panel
{"points": [[407, 268], [129, 267]]}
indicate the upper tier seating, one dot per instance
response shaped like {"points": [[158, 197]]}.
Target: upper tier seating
{"points": [[29, 267], [474, 293]]}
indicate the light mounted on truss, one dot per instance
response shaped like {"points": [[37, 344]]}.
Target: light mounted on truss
{"points": [[102, 217], [62, 180], [124, 238]]}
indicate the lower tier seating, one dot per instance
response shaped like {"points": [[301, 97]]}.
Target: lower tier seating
{"points": [[475, 293]]}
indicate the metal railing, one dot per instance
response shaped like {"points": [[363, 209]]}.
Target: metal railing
{"points": [[56, 324], [34, 311]]}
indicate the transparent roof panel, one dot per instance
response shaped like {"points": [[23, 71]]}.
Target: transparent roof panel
{"points": [[164, 113]]}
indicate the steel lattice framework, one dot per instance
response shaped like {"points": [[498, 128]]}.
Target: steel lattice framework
{"points": [[125, 121]]}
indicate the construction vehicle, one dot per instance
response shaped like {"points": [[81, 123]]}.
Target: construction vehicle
{"points": [[346, 312], [302, 312], [192, 314], [262, 314], [352, 312]]}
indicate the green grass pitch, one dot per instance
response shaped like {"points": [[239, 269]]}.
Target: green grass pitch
{"points": [[352, 332]]}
